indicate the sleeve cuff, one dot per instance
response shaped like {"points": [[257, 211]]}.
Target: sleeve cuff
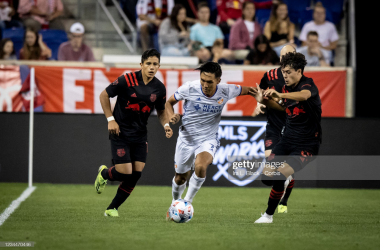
{"points": [[175, 97], [241, 89]]}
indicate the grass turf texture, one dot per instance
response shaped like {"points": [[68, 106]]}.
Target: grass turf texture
{"points": [[71, 217]]}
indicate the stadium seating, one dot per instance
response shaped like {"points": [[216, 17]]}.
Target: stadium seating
{"points": [[262, 16], [336, 9], [52, 38], [17, 37], [295, 8]]}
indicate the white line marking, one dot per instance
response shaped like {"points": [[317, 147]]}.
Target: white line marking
{"points": [[15, 204]]}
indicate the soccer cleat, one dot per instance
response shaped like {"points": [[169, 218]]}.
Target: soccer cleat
{"points": [[265, 218], [100, 182], [111, 212], [282, 209]]}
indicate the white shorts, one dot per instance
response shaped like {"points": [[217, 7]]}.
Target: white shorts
{"points": [[185, 154]]}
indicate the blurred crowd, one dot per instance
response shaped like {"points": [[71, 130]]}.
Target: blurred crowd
{"points": [[223, 31]]}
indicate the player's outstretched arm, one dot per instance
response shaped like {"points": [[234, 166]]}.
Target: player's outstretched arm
{"points": [[300, 96], [113, 127], [163, 117], [245, 90], [173, 118], [259, 95]]}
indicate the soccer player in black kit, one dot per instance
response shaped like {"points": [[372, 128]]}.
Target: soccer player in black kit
{"points": [[273, 79], [300, 141], [138, 93]]}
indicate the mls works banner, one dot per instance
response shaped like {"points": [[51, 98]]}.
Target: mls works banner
{"points": [[77, 90]]}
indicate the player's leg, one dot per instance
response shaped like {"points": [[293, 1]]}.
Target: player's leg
{"points": [[179, 184], [204, 156], [144, 36]]}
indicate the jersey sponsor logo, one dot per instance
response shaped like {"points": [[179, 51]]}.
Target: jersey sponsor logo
{"points": [[120, 152], [133, 106], [145, 109], [220, 100], [134, 95], [197, 107], [211, 108], [296, 112], [153, 97], [136, 107]]}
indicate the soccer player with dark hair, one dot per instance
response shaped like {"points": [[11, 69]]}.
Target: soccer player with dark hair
{"points": [[138, 93], [198, 140], [273, 79], [301, 139]]}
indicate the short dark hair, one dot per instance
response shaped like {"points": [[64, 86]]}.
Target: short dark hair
{"points": [[312, 33], [294, 60], [202, 4], [150, 53], [211, 67]]}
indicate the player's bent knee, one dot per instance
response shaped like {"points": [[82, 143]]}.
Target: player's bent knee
{"points": [[125, 168], [180, 179]]}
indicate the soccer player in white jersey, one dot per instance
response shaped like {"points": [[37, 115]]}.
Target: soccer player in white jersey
{"points": [[198, 142]]}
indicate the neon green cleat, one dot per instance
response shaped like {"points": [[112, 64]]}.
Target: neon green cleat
{"points": [[282, 209], [100, 182], [111, 212]]}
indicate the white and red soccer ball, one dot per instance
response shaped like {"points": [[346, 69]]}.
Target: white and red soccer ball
{"points": [[181, 211]]}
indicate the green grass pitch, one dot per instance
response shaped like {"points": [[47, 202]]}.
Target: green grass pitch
{"points": [[71, 217]]}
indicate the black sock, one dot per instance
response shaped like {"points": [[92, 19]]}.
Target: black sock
{"points": [[125, 189], [288, 191], [275, 196], [112, 175]]}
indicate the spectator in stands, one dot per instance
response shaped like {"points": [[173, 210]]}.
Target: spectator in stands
{"points": [[6, 13], [34, 48], [230, 10], [314, 54], [75, 49], [39, 14], [217, 54], [203, 35], [327, 34], [244, 32], [174, 34], [150, 14], [262, 54], [279, 29], [7, 51]]}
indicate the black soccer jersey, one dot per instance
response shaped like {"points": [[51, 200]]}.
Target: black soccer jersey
{"points": [[303, 123], [274, 79], [135, 102]]}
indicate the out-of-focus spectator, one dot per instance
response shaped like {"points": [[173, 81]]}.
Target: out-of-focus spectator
{"points": [[230, 10], [129, 8], [150, 14], [174, 34], [244, 32], [6, 13], [7, 51], [34, 48], [217, 54], [327, 34], [39, 14], [262, 54], [191, 9], [75, 49], [279, 29], [314, 54]]}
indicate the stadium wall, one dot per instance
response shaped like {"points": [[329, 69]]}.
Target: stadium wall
{"points": [[68, 148]]}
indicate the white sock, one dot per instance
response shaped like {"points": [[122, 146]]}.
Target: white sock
{"points": [[195, 184], [177, 190]]}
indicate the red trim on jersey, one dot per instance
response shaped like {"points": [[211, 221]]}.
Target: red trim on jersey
{"points": [[126, 78], [271, 74], [134, 76], [275, 73], [268, 75], [130, 77]]}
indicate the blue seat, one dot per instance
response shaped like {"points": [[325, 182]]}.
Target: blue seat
{"points": [[17, 37], [53, 39], [262, 16], [336, 9], [295, 8]]}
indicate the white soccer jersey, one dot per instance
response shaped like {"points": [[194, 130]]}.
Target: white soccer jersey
{"points": [[200, 122]]}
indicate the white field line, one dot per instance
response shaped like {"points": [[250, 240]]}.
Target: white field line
{"points": [[15, 204]]}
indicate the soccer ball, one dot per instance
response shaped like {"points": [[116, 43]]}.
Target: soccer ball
{"points": [[181, 211]]}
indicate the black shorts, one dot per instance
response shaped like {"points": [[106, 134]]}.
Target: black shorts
{"points": [[272, 137], [127, 152], [296, 155]]}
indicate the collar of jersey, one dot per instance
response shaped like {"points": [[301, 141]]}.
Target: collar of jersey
{"points": [[212, 95]]}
